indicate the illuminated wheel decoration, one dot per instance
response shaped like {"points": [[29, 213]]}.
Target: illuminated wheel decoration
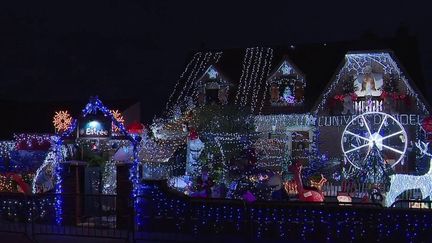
{"points": [[376, 131], [119, 117], [62, 120]]}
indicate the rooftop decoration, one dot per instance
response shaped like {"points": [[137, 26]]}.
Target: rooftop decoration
{"points": [[256, 66], [186, 86], [369, 69]]}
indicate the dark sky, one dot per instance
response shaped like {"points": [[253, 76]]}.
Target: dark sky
{"points": [[69, 50]]}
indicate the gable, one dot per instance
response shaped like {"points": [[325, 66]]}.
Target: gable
{"points": [[285, 69], [287, 86], [370, 77], [212, 77]]}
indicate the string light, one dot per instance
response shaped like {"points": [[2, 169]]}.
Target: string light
{"points": [[267, 84], [26, 141], [315, 222], [244, 72], [192, 77], [250, 80], [194, 59], [262, 85]]}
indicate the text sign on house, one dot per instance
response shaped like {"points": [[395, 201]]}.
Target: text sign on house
{"points": [[95, 127]]}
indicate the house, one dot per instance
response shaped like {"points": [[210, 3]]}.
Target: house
{"points": [[306, 98]]}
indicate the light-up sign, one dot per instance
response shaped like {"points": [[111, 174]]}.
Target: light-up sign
{"points": [[335, 121], [95, 127]]}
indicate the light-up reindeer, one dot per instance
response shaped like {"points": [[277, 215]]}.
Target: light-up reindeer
{"points": [[401, 182]]}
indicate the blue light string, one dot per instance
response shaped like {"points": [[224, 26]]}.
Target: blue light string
{"points": [[58, 171], [317, 223]]}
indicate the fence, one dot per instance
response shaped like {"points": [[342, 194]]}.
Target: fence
{"points": [[13, 214], [164, 216], [360, 190], [235, 220], [95, 216]]}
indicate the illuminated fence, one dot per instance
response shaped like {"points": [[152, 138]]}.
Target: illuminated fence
{"points": [[167, 213], [164, 215], [93, 216]]}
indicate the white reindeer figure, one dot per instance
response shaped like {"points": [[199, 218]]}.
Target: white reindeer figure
{"points": [[402, 182]]}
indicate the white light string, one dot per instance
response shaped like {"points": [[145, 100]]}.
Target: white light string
{"points": [[247, 61], [267, 83], [194, 59], [251, 79], [262, 83]]}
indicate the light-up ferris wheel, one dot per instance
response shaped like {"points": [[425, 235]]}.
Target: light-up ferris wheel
{"points": [[374, 135]]}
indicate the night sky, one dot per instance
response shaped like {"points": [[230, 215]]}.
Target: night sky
{"points": [[52, 50]]}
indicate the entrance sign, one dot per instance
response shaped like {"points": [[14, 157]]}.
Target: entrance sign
{"points": [[95, 127]]}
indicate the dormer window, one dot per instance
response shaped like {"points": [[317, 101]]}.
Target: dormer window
{"points": [[213, 88], [286, 85]]}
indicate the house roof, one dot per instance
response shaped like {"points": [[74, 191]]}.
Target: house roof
{"points": [[249, 68]]}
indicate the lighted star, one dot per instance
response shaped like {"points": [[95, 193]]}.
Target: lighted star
{"points": [[285, 69], [310, 120], [212, 73]]}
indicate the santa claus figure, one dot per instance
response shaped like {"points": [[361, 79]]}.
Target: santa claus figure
{"points": [[194, 148]]}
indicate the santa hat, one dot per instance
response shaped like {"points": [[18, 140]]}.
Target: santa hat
{"points": [[135, 127]]}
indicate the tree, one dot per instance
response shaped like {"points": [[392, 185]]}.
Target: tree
{"points": [[225, 131]]}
